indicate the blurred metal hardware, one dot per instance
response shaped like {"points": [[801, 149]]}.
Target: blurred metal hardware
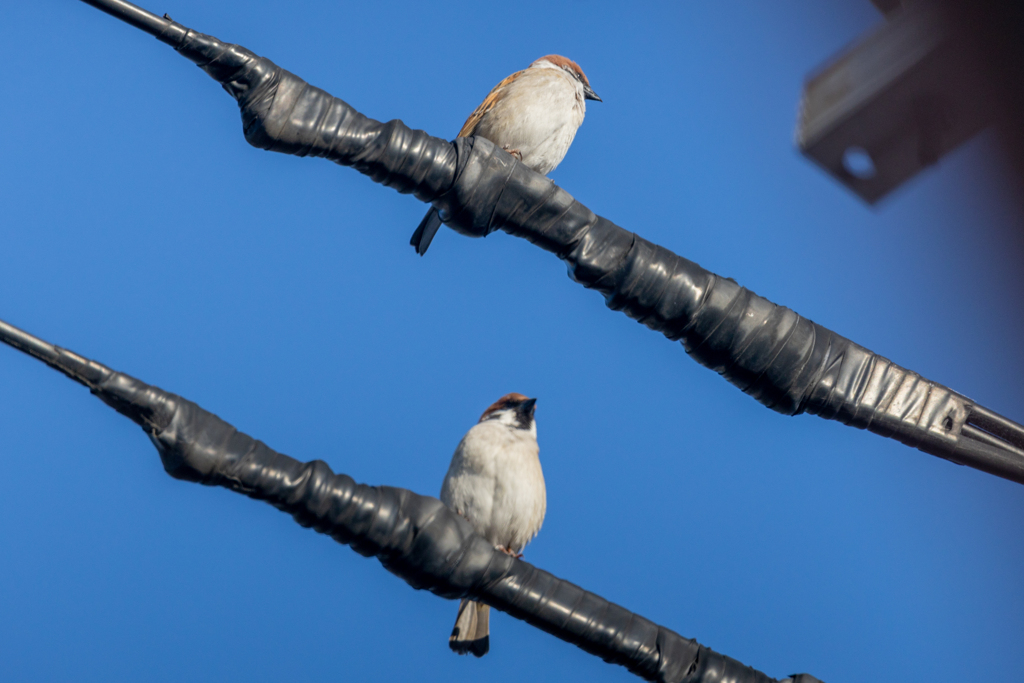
{"points": [[887, 6], [892, 104]]}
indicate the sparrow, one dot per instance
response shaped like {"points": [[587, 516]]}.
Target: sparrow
{"points": [[533, 115], [496, 483]]}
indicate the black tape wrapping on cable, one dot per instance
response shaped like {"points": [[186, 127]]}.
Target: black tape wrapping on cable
{"points": [[788, 363], [415, 537], [283, 113]]}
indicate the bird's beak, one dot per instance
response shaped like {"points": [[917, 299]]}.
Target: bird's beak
{"points": [[589, 94], [527, 407]]}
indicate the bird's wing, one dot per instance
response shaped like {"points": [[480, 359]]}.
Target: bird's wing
{"points": [[469, 127]]}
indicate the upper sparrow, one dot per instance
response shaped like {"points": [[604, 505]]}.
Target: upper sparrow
{"points": [[533, 115]]}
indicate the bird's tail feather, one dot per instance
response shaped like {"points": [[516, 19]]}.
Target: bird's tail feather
{"points": [[471, 634], [424, 234]]}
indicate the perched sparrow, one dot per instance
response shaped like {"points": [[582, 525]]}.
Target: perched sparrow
{"points": [[533, 115], [495, 482]]}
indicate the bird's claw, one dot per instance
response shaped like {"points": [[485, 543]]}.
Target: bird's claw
{"points": [[514, 152]]}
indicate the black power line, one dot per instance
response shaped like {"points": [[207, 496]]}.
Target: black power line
{"points": [[788, 363], [415, 537]]}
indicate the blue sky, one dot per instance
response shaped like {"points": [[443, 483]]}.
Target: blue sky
{"points": [[141, 230]]}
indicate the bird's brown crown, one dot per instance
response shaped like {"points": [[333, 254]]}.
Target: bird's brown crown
{"points": [[504, 403], [563, 62]]}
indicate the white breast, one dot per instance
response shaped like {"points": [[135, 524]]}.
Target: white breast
{"points": [[495, 481], [538, 115]]}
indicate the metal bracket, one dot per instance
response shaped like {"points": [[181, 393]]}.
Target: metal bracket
{"points": [[892, 104]]}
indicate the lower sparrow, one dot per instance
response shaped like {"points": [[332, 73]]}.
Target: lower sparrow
{"points": [[495, 482]]}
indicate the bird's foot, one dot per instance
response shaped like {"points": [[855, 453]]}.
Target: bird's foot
{"points": [[509, 551], [514, 152]]}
